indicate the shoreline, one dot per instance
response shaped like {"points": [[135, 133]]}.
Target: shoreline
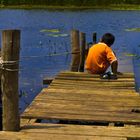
{"points": [[110, 7]]}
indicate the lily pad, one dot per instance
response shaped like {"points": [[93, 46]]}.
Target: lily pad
{"points": [[130, 54], [50, 30], [133, 30]]}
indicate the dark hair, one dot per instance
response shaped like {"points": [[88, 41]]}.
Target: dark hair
{"points": [[108, 39]]}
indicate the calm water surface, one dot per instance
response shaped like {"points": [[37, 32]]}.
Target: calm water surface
{"points": [[47, 33]]}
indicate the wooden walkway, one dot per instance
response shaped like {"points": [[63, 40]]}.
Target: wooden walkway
{"points": [[85, 108]]}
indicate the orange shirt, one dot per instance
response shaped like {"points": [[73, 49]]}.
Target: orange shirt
{"points": [[99, 58]]}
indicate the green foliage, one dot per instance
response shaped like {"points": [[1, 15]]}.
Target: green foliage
{"points": [[68, 2]]}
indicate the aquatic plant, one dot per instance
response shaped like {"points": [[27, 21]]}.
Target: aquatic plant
{"points": [[130, 54], [53, 32], [133, 30], [50, 30]]}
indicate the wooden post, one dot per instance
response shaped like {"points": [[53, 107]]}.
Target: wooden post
{"points": [[94, 38], [75, 50], [9, 79], [82, 51]]}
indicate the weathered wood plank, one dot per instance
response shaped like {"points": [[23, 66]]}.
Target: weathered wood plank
{"points": [[92, 87], [124, 118], [92, 83], [83, 115], [85, 76], [89, 95], [89, 102], [83, 118], [100, 91], [46, 136], [88, 99], [75, 132], [49, 102], [83, 130], [85, 97], [77, 74], [94, 79]]}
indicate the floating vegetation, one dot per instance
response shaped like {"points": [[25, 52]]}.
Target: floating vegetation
{"points": [[133, 55], [130, 54], [58, 35], [133, 30], [53, 32], [22, 94], [50, 30]]}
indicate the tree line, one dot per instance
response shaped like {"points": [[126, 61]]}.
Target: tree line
{"points": [[68, 2]]}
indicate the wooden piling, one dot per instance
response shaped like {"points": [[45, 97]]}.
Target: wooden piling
{"points": [[75, 50], [9, 79], [94, 38], [82, 51]]}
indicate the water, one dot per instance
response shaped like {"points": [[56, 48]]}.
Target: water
{"points": [[47, 33]]}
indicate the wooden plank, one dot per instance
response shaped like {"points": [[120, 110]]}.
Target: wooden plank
{"points": [[93, 79], [96, 111], [97, 116], [89, 93], [46, 136], [83, 130], [107, 116], [92, 87], [77, 74], [100, 91], [93, 83], [95, 103], [92, 100], [75, 132], [119, 104], [90, 76], [89, 99], [86, 108], [86, 76], [98, 83], [82, 92]]}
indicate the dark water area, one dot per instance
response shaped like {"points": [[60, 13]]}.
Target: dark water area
{"points": [[45, 42]]}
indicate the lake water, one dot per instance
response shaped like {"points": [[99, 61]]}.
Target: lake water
{"points": [[45, 41]]}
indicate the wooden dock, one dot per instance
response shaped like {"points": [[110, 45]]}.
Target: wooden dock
{"points": [[81, 106]]}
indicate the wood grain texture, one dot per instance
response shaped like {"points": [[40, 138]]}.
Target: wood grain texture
{"points": [[85, 97], [81, 97], [48, 131]]}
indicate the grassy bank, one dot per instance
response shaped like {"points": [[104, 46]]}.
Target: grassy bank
{"points": [[109, 7]]}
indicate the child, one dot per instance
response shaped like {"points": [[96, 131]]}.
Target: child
{"points": [[101, 56]]}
